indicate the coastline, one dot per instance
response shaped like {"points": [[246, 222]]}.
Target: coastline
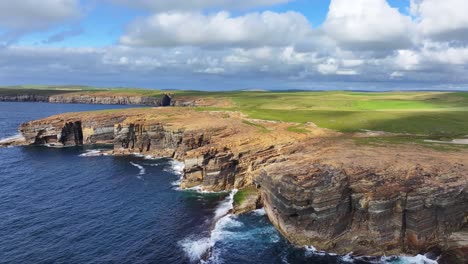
{"points": [[221, 153]]}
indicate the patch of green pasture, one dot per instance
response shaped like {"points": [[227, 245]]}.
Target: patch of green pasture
{"points": [[298, 129], [242, 194], [262, 128]]}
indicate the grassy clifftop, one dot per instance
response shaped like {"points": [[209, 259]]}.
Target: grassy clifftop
{"points": [[426, 113], [437, 114]]}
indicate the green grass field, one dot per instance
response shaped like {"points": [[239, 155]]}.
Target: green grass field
{"points": [[424, 113], [434, 114]]}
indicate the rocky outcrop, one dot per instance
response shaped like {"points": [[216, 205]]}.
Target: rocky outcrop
{"points": [[92, 98], [24, 98], [346, 202], [71, 130], [318, 189], [165, 100]]}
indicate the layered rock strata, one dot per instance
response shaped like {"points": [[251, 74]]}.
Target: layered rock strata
{"points": [[318, 188], [91, 98]]}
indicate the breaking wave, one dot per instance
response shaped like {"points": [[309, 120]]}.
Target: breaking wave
{"points": [[141, 168], [311, 251], [94, 153], [11, 138], [199, 249], [177, 168]]}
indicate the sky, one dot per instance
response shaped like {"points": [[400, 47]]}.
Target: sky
{"points": [[236, 44]]}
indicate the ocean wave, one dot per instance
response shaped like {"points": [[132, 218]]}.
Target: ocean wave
{"points": [[198, 189], [9, 139], [177, 168], [310, 251], [225, 206], [198, 249], [138, 155], [418, 259], [259, 212], [94, 153], [141, 168]]}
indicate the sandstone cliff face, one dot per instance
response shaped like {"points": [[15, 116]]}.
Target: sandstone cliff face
{"points": [[24, 98], [118, 100], [90, 98], [348, 202], [71, 130], [318, 188]]}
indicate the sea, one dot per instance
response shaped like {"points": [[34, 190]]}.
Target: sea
{"points": [[74, 205]]}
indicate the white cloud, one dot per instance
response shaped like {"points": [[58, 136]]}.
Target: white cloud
{"points": [[192, 45], [31, 14], [442, 20], [219, 29], [185, 5], [18, 18], [367, 24], [233, 68]]}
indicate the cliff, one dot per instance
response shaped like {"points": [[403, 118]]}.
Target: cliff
{"points": [[94, 98], [318, 188]]}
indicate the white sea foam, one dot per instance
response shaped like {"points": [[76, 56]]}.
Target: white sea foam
{"points": [[139, 155], [198, 249], [17, 137], [225, 206], [198, 188], [259, 212], [94, 153], [347, 258], [177, 168], [418, 259], [141, 168]]}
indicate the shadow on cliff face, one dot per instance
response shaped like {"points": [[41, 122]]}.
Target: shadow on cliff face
{"points": [[166, 100], [72, 134]]}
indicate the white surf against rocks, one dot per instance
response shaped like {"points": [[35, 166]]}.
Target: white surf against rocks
{"points": [[11, 139], [198, 249], [177, 168], [94, 153]]}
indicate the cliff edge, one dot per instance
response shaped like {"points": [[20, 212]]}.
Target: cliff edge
{"points": [[318, 186]]}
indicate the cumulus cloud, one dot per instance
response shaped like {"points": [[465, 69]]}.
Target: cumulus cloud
{"points": [[442, 20], [219, 29], [189, 44], [29, 14], [367, 24], [230, 68], [184, 5], [21, 17]]}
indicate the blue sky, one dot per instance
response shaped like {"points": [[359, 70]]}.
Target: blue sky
{"points": [[231, 44]]}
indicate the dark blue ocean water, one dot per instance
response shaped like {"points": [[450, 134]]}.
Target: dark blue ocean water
{"points": [[58, 206]]}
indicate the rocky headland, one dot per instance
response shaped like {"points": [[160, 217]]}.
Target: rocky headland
{"points": [[318, 188], [86, 97]]}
